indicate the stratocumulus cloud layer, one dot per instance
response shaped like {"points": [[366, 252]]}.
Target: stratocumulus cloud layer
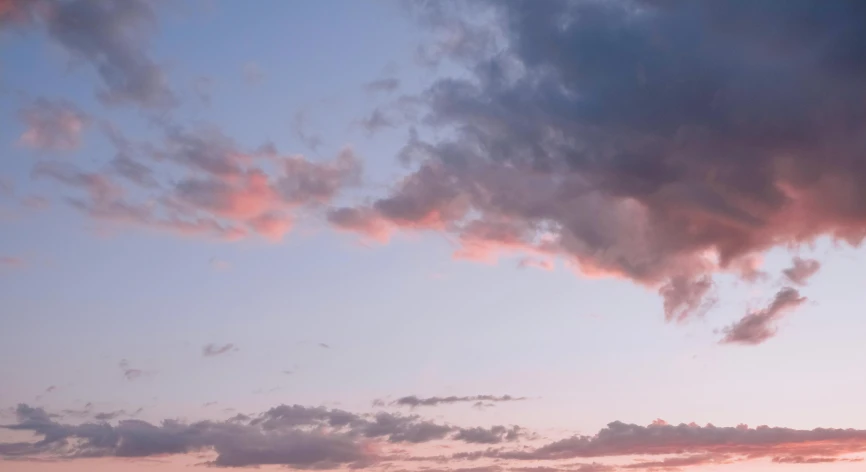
{"points": [[303, 437]]}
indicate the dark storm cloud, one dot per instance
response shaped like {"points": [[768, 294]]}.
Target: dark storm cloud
{"points": [[757, 327], [661, 142]]}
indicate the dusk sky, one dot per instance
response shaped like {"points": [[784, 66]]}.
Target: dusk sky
{"points": [[441, 236]]}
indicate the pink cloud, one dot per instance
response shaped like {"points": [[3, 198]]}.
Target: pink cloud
{"points": [[52, 125], [757, 327]]}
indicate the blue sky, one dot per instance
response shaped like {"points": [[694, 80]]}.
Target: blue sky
{"points": [[107, 300]]}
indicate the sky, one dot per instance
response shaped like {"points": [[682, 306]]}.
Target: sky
{"points": [[407, 235]]}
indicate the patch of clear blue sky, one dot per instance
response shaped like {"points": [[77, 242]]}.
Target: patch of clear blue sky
{"points": [[401, 318]]}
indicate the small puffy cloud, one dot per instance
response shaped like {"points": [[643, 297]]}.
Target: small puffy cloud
{"points": [[801, 270], [376, 121], [129, 372], [757, 327], [52, 125]]}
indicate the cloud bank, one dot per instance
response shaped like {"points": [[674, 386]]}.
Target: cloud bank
{"points": [[317, 437]]}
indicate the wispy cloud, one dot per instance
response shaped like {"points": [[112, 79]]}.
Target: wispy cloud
{"points": [[212, 350], [414, 401]]}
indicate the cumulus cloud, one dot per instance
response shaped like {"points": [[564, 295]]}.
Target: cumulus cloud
{"points": [[757, 327], [801, 270], [625, 138], [52, 125], [414, 401], [212, 350]]}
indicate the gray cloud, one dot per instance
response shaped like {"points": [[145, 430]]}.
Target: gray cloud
{"points": [[110, 36], [626, 138], [235, 443], [492, 435], [757, 327], [415, 401], [293, 435], [212, 350], [129, 372], [376, 122], [317, 437], [134, 171]]}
